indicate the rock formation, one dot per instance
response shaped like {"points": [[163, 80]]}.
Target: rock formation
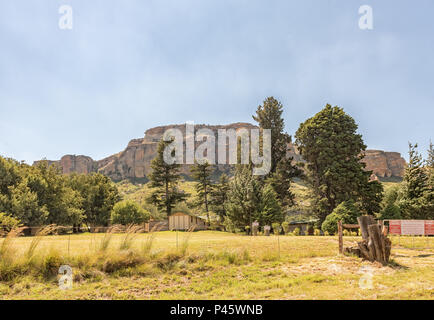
{"points": [[134, 162]]}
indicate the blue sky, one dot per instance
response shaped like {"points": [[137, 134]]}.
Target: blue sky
{"points": [[130, 65]]}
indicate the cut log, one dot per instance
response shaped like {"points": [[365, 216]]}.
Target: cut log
{"points": [[375, 246], [364, 251], [376, 237]]}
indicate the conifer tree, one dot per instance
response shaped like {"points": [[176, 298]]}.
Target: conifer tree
{"points": [[269, 116], [333, 151], [416, 199], [219, 195], [164, 180], [282, 171], [201, 173]]}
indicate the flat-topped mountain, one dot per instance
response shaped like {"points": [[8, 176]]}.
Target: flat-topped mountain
{"points": [[133, 163]]}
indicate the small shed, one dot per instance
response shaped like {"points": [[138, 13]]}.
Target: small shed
{"points": [[184, 221]]}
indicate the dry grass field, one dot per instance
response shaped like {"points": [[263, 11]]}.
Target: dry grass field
{"points": [[211, 265]]}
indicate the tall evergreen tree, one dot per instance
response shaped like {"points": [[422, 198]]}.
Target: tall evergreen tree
{"points": [[282, 171], [164, 180], [415, 202], [219, 195], [333, 151], [281, 182], [269, 116], [244, 197], [201, 173]]}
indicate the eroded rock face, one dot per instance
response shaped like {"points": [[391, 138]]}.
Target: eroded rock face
{"points": [[134, 162], [384, 164]]}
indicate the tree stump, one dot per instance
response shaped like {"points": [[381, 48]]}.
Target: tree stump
{"points": [[375, 245]]}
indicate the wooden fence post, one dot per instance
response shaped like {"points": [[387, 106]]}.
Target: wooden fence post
{"points": [[341, 239]]}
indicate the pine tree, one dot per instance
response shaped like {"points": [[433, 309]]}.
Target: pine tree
{"points": [[269, 116], [430, 160], [333, 152], [164, 180], [244, 197], [219, 195], [201, 172], [415, 177], [281, 182], [415, 202], [270, 210], [282, 171]]}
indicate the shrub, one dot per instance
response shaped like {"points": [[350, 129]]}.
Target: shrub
{"points": [[285, 226], [346, 233], [347, 212], [229, 225], [7, 222], [326, 233], [276, 228], [296, 232], [317, 232], [247, 229], [129, 212]]}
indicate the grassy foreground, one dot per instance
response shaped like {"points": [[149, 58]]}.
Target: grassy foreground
{"points": [[211, 265]]}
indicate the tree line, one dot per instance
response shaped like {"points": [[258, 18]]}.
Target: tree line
{"points": [[339, 186], [41, 195]]}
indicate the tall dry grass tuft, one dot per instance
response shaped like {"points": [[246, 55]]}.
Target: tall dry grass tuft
{"points": [[147, 246], [186, 241], [37, 239], [6, 248], [105, 241], [130, 234]]}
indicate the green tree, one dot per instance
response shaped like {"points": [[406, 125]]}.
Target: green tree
{"points": [[333, 152], [219, 195], [269, 210], [128, 212], [24, 205], [201, 173], [415, 202], [269, 116], [244, 197], [164, 180], [99, 194], [7, 222], [389, 205], [249, 199], [281, 181], [9, 175], [347, 212]]}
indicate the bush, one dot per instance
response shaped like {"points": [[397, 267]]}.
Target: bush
{"points": [[296, 232], [229, 225], [326, 233], [7, 222], [347, 212], [129, 212], [276, 228], [247, 229], [285, 226], [317, 232], [346, 233]]}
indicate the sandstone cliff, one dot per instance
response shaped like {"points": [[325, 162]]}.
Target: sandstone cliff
{"points": [[134, 162]]}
